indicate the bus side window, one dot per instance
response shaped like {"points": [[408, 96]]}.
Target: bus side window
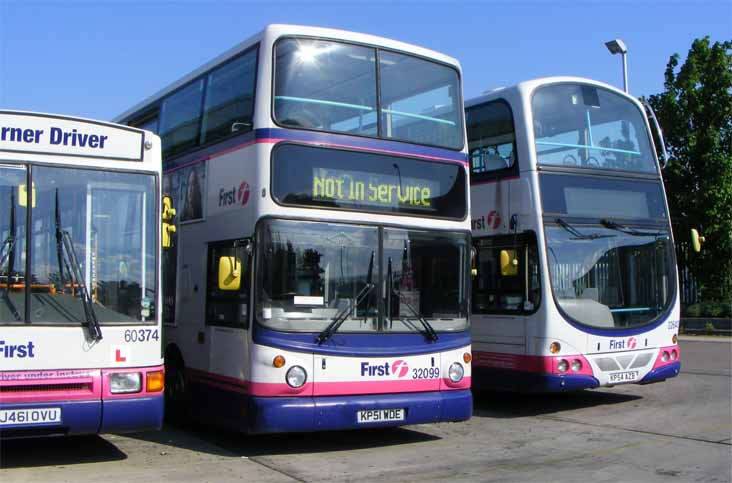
{"points": [[227, 290], [229, 101], [491, 140], [507, 275]]}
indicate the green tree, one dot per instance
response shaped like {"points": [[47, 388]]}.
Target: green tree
{"points": [[695, 113]]}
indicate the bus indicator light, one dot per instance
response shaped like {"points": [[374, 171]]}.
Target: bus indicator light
{"points": [[467, 357], [278, 361], [674, 339], [155, 381], [555, 347]]}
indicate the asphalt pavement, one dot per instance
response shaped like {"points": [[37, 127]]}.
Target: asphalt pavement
{"points": [[678, 430]]}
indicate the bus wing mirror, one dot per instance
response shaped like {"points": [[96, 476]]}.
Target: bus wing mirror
{"points": [[659, 133], [168, 210], [509, 263], [168, 213], [696, 240], [473, 267], [229, 273]]}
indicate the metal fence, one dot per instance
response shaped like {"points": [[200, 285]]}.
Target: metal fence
{"points": [[688, 285]]}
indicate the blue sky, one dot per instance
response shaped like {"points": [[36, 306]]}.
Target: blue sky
{"points": [[97, 58]]}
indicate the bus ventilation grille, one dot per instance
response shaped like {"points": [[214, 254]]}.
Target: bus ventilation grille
{"points": [[73, 387], [608, 364]]}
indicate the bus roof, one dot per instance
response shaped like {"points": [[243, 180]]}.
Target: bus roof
{"points": [[528, 86], [270, 34]]}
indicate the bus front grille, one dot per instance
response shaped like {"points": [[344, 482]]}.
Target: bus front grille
{"points": [[76, 387]]}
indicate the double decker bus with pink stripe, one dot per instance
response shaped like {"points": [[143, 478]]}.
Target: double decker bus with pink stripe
{"points": [[320, 270], [574, 271], [80, 298]]}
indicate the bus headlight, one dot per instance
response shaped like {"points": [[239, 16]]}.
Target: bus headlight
{"points": [[563, 365], [576, 365], [296, 376], [125, 382], [456, 372], [664, 356]]}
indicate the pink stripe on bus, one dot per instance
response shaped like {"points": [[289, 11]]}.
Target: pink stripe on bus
{"points": [[517, 362], [334, 145], [338, 388], [659, 358], [447, 385], [529, 363], [338, 145], [375, 387], [270, 389], [196, 374], [45, 386]]}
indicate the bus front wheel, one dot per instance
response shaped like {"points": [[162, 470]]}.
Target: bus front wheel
{"points": [[177, 396]]}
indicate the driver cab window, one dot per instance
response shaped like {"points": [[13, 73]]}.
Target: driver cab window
{"points": [[491, 140], [506, 275], [227, 291]]}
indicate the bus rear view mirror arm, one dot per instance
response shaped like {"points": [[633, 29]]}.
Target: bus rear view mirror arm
{"points": [[659, 133]]}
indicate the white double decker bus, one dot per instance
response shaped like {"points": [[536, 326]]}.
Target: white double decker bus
{"points": [[321, 270], [80, 318], [575, 282]]}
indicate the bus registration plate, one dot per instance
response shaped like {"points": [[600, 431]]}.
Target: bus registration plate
{"points": [[13, 417], [627, 376], [380, 415]]}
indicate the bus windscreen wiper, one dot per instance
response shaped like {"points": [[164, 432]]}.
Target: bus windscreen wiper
{"points": [[428, 331], [627, 230], [9, 242], [343, 314], [578, 235], [65, 244]]}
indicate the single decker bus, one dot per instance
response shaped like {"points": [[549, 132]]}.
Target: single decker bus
{"points": [[80, 298], [319, 278], [574, 273]]}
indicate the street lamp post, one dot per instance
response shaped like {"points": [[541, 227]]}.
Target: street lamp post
{"points": [[617, 46]]}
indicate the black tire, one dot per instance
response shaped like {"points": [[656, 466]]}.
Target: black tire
{"points": [[177, 394]]}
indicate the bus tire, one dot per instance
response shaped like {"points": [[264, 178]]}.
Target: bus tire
{"points": [[177, 395]]}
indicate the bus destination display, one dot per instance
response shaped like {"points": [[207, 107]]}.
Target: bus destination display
{"points": [[33, 133], [332, 178], [372, 188]]}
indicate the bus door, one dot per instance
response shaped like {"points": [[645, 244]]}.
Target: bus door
{"points": [[505, 291], [228, 307]]}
